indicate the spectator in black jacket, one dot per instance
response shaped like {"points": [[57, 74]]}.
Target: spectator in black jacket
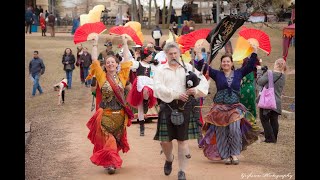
{"points": [[86, 61], [68, 60]]}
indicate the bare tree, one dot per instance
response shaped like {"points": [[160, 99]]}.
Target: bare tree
{"points": [[140, 11], [157, 12], [149, 17], [134, 10], [169, 14], [164, 15]]}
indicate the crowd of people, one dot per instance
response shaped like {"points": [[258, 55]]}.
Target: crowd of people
{"points": [[36, 17], [138, 78]]}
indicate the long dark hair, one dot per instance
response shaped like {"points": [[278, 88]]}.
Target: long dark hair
{"points": [[65, 52], [229, 56]]}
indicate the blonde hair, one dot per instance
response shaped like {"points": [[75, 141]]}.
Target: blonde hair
{"points": [[280, 65]]}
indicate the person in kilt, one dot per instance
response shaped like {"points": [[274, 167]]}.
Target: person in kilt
{"points": [[170, 89]]}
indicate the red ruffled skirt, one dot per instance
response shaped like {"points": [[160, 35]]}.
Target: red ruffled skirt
{"points": [[135, 97], [106, 149]]}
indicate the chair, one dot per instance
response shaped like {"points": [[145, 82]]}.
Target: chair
{"points": [[208, 18], [145, 20]]}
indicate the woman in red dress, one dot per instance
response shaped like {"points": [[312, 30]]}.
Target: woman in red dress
{"points": [[43, 25]]}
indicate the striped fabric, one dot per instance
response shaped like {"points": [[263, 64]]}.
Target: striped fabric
{"points": [[229, 139]]}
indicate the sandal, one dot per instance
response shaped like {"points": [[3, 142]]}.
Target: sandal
{"points": [[235, 160], [227, 161]]}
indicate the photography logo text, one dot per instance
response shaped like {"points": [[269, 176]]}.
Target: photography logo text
{"points": [[266, 175]]}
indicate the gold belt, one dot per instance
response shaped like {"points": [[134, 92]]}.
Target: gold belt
{"points": [[110, 111]]}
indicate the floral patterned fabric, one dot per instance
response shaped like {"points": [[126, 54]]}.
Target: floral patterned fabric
{"points": [[248, 96]]}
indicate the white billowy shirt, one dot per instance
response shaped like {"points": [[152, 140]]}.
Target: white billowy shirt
{"points": [[169, 83], [144, 80], [161, 57]]}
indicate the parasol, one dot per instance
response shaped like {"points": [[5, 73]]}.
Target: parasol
{"points": [[88, 31], [189, 40], [120, 30], [257, 37], [288, 34], [289, 31]]}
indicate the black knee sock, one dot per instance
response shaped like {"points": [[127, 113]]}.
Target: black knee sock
{"points": [[62, 96]]}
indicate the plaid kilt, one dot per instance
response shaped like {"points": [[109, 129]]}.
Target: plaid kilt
{"points": [[166, 131]]}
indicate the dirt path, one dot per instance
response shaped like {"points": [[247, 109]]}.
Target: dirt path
{"points": [[59, 148], [69, 158]]}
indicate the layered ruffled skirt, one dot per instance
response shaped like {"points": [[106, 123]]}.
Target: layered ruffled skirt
{"points": [[107, 132], [135, 95], [223, 115]]}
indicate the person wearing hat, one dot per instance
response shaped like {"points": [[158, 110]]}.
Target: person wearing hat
{"points": [[141, 94], [104, 53], [137, 48]]}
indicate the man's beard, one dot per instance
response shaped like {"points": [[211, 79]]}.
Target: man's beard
{"points": [[173, 62]]}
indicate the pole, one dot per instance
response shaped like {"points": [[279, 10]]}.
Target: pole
{"points": [[132, 10], [218, 11], [120, 12]]}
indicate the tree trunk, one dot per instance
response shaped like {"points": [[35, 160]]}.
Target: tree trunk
{"points": [[149, 17], [134, 14], [140, 12], [164, 15], [169, 15], [157, 13]]}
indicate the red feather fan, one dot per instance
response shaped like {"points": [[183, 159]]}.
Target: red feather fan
{"points": [[189, 40], [87, 31], [119, 30], [261, 37]]}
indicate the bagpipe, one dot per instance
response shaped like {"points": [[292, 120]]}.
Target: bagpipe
{"points": [[192, 80]]}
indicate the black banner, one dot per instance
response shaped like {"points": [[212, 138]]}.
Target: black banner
{"points": [[221, 34]]}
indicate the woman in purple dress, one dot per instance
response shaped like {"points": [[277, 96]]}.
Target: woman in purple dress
{"points": [[228, 127]]}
